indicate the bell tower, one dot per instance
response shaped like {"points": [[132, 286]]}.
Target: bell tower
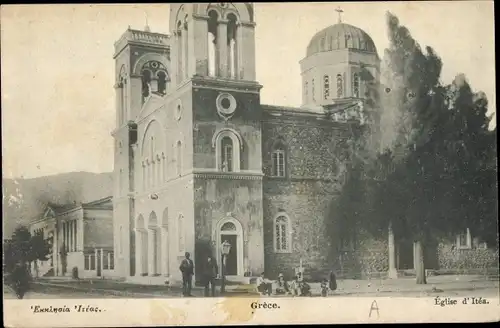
{"points": [[213, 40], [213, 61], [142, 69]]}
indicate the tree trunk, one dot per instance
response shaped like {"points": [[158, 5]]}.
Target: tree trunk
{"points": [[420, 267], [36, 268]]}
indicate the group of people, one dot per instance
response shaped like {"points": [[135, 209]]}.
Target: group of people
{"points": [[297, 287], [210, 273]]}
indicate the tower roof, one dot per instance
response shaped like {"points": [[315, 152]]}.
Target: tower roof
{"points": [[340, 36]]}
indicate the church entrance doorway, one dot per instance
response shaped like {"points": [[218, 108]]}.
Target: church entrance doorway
{"points": [[232, 257], [230, 230]]}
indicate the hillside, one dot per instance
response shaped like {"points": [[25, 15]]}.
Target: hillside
{"points": [[35, 193]]}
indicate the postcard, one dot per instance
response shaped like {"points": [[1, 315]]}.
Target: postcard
{"points": [[249, 163]]}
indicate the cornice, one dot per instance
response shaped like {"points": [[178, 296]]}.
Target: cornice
{"points": [[217, 83], [242, 175]]}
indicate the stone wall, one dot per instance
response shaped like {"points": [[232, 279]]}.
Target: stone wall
{"points": [[466, 260], [314, 152], [236, 197]]}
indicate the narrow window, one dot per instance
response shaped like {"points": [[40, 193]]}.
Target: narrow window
{"points": [[313, 91], [105, 264], [340, 87], [179, 158], [92, 261], [111, 260], [278, 157], [326, 85], [162, 82], [282, 242], [180, 47], [87, 262], [212, 42], [232, 44], [146, 83], [355, 85], [227, 154], [185, 41]]}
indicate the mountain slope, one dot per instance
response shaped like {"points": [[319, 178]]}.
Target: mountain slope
{"points": [[25, 199]]}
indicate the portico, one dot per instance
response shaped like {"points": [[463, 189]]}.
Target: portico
{"points": [[152, 251]]}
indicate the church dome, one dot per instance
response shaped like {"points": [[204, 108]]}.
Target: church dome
{"points": [[340, 36]]}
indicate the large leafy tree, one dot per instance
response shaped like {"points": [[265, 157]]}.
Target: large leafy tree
{"points": [[437, 177]]}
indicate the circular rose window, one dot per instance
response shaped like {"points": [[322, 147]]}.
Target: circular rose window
{"points": [[226, 105]]}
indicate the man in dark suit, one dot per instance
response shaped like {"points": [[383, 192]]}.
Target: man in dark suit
{"points": [[187, 270], [210, 273]]}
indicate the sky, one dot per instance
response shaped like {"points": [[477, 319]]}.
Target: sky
{"points": [[58, 105]]}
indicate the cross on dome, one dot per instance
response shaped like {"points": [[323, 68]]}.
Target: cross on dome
{"points": [[146, 27], [339, 11]]}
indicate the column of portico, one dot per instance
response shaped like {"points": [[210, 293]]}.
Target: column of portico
{"points": [[138, 252], [151, 252], [392, 273], [164, 251]]}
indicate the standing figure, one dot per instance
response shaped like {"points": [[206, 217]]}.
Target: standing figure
{"points": [[210, 273], [187, 270], [332, 281]]}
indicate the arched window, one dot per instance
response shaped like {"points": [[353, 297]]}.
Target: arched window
{"points": [[313, 91], [278, 157], [232, 44], [162, 82], [185, 61], [227, 143], [164, 166], [180, 233], [340, 86], [153, 161], [355, 85], [282, 234], [326, 86], [178, 158], [227, 154], [146, 83], [144, 175], [180, 51], [212, 42], [123, 101], [154, 78]]}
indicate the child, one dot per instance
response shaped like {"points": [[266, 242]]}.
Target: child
{"points": [[295, 286], [324, 288]]}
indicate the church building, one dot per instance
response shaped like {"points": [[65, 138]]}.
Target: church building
{"points": [[199, 160]]}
